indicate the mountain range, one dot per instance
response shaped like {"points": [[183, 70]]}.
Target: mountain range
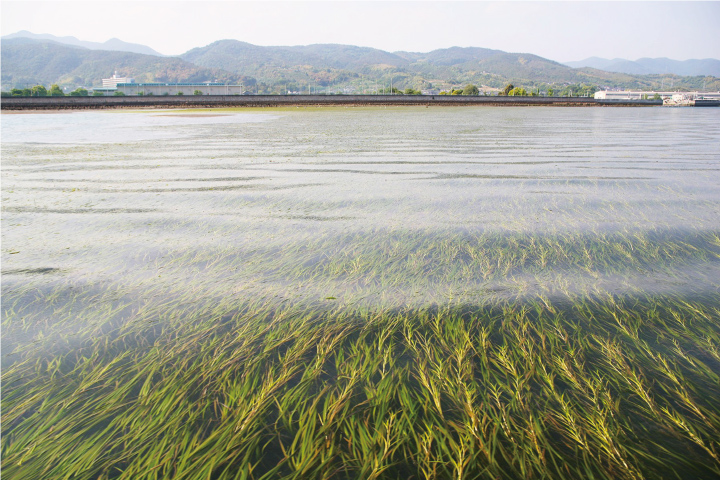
{"points": [[439, 65], [29, 59], [114, 44], [27, 62], [646, 66]]}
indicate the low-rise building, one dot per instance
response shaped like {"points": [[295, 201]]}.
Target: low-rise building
{"points": [[638, 95], [207, 88]]}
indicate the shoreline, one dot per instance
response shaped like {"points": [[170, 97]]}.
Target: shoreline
{"points": [[264, 101]]}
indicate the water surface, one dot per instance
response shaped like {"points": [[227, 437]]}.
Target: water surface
{"points": [[115, 196], [146, 241]]}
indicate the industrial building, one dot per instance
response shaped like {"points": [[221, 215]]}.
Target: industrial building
{"points": [[179, 89], [127, 86]]}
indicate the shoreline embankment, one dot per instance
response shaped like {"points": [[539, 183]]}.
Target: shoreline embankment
{"points": [[209, 101]]}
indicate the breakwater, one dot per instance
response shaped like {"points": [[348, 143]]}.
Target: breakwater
{"points": [[30, 103]]}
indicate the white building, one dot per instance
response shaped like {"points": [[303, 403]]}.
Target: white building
{"points": [[114, 80], [637, 95]]}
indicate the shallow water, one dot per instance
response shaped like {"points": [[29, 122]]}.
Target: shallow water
{"points": [[124, 227], [109, 195], [370, 206]]}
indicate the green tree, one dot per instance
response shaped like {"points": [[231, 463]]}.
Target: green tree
{"points": [[197, 92], [98, 94], [17, 92], [179, 93], [518, 92], [411, 91], [588, 90], [79, 92], [55, 91], [568, 91], [507, 89], [550, 92], [118, 94], [471, 90], [39, 91]]}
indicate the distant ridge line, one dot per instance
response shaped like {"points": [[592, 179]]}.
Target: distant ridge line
{"points": [[113, 44], [652, 66]]}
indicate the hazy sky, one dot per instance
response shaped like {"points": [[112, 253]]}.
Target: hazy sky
{"points": [[560, 31]]}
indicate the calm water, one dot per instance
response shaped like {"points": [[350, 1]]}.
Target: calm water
{"points": [[378, 206]]}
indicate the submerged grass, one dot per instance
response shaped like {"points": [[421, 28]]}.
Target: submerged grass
{"points": [[562, 383], [456, 322], [603, 388]]}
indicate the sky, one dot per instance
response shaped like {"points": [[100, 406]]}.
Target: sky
{"points": [[561, 31]]}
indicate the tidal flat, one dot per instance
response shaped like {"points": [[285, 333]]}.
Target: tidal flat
{"points": [[374, 293]]}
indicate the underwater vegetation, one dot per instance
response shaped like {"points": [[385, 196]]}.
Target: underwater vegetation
{"points": [[322, 295]]}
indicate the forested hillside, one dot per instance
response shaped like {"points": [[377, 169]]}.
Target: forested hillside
{"points": [[324, 68], [31, 62]]}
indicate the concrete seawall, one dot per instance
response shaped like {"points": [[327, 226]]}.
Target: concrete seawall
{"points": [[30, 103]]}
